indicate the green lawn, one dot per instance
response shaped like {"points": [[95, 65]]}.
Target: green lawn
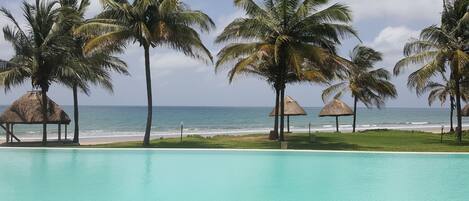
{"points": [[379, 140]]}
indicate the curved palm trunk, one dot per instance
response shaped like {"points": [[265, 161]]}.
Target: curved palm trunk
{"points": [[458, 110], [355, 114], [44, 115], [277, 104], [451, 114], [282, 114], [76, 134], [146, 139]]}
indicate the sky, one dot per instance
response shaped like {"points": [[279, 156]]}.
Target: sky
{"points": [[385, 25]]}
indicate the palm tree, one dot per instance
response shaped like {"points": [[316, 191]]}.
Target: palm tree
{"points": [[441, 91], [40, 50], [441, 49], [368, 85], [265, 68], [294, 32], [82, 70], [149, 23]]}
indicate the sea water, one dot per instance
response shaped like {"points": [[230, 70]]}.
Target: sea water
{"points": [[146, 175], [130, 120]]}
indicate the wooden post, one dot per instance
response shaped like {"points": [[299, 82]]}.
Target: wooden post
{"points": [[182, 129], [8, 132], [60, 132], [442, 130], [11, 132], [288, 124], [337, 123], [65, 131]]}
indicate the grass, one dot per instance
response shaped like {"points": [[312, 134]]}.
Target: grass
{"points": [[375, 140]]}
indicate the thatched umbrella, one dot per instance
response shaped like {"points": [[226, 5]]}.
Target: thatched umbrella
{"points": [[336, 108], [28, 110], [292, 108]]}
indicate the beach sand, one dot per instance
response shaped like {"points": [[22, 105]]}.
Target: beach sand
{"points": [[99, 140]]}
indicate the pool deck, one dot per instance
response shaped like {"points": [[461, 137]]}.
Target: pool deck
{"points": [[233, 150]]}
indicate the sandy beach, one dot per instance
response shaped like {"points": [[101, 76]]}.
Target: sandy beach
{"points": [[99, 140]]}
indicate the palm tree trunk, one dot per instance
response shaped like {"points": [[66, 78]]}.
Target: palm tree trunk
{"points": [[44, 115], [76, 134], [282, 114], [277, 104], [355, 113], [146, 139], [458, 110], [451, 114]]}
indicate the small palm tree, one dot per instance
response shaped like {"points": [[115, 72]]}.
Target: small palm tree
{"points": [[149, 23], [82, 70], [441, 49], [368, 85], [441, 92], [40, 50], [294, 32]]}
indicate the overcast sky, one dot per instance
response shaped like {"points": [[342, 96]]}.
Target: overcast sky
{"points": [[385, 25]]}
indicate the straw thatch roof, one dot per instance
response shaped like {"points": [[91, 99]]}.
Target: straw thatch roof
{"points": [[292, 108], [336, 108], [465, 111], [28, 110]]}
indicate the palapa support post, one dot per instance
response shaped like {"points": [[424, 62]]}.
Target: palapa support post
{"points": [[288, 123], [442, 132], [65, 131], [182, 130], [337, 123], [7, 129], [59, 132], [11, 131]]}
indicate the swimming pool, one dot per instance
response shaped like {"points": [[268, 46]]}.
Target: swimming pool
{"points": [[203, 175]]}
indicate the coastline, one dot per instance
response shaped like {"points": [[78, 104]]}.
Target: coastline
{"points": [[108, 139]]}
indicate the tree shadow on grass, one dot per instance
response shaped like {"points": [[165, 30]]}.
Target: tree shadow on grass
{"points": [[323, 143]]}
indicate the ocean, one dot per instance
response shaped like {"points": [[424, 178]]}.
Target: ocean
{"points": [[103, 121]]}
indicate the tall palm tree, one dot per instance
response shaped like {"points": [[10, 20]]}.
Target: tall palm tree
{"points": [[441, 49], [40, 50], [264, 68], [82, 70], [294, 32], [149, 23], [368, 85]]}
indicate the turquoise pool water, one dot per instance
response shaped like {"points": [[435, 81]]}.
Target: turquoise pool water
{"points": [[126, 175]]}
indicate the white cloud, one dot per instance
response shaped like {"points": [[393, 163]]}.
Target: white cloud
{"points": [[94, 8], [391, 40], [225, 20], [6, 50], [395, 9], [166, 63]]}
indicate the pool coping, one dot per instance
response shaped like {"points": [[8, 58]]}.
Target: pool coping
{"points": [[234, 150]]}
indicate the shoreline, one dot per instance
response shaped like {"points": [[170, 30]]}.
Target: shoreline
{"points": [[108, 139]]}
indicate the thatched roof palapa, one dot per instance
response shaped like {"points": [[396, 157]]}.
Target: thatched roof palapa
{"points": [[28, 110], [336, 108], [292, 108]]}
